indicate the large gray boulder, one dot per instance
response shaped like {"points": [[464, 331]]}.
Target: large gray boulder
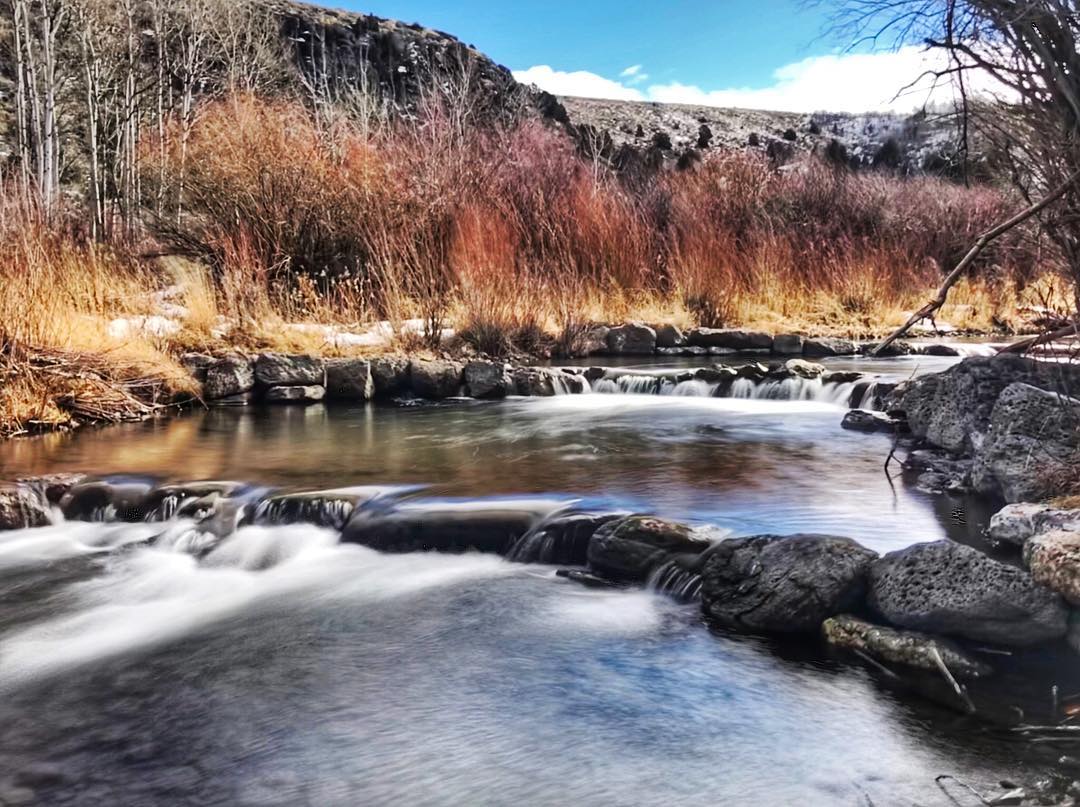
{"points": [[21, 506], [228, 376], [632, 339], [349, 379], [536, 382], [952, 409], [435, 379], [488, 379], [669, 336], [1054, 560], [629, 549], [946, 587], [827, 346], [729, 338], [390, 375], [902, 648], [1032, 448], [1016, 523], [783, 584], [282, 370]]}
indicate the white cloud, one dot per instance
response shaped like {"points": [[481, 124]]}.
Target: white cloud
{"points": [[578, 83], [845, 82]]}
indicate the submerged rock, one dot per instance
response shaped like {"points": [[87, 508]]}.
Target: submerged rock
{"points": [[1032, 447], [939, 350], [901, 648], [946, 587], [21, 506], [730, 338], [435, 379], [629, 549], [783, 584], [488, 379], [1016, 523], [865, 420], [227, 377], [281, 370], [390, 375], [297, 394], [632, 339], [349, 380]]}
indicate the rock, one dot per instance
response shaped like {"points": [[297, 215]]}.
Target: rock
{"points": [[228, 376], [946, 587], [1054, 560], [841, 377], [864, 420], [536, 382], [904, 648], [755, 372], [716, 375], [123, 500], [1032, 448], [632, 339], [939, 350], [730, 338], [163, 502], [629, 549], [1016, 523], [782, 584], [827, 346], [561, 540], [669, 336], [586, 579], [803, 368], [952, 409], [488, 379], [311, 393], [322, 508], [594, 341], [435, 379], [21, 506], [390, 375], [196, 364], [349, 380], [788, 344], [897, 348], [52, 486], [940, 472], [281, 370]]}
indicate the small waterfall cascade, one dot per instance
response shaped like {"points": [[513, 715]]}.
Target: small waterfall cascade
{"points": [[773, 387], [676, 581], [560, 539]]}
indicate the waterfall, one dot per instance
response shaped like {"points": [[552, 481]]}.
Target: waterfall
{"points": [[560, 539], [320, 511], [694, 388], [678, 582]]}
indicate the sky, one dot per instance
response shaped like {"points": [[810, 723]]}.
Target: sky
{"points": [[760, 54]]}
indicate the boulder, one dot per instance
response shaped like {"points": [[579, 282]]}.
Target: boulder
{"points": [[788, 344], [435, 379], [730, 338], [669, 336], [21, 506], [780, 584], [537, 382], [281, 370], [939, 350], [594, 341], [632, 339], [952, 409], [897, 348], [227, 377], [901, 648], [104, 500], [629, 549], [827, 346], [311, 393], [1032, 448], [939, 471], [864, 420], [716, 375], [563, 539], [803, 368], [488, 379], [755, 372], [349, 380], [390, 375], [1016, 523], [1054, 560], [52, 486], [950, 588], [196, 365]]}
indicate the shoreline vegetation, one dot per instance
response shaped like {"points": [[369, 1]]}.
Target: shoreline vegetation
{"points": [[292, 228]]}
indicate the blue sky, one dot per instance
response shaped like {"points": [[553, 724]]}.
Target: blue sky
{"points": [[766, 54]]}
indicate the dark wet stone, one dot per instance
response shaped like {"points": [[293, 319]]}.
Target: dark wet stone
{"points": [[826, 346], [788, 344], [488, 379], [864, 420], [227, 377], [632, 339], [390, 375], [106, 501], [281, 370], [783, 584], [730, 338], [435, 379], [562, 539], [630, 548], [950, 588], [349, 380], [669, 336]]}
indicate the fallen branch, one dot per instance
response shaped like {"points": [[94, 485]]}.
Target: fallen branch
{"points": [[1025, 345], [980, 244]]}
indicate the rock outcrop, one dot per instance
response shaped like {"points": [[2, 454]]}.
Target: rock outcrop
{"points": [[783, 584], [21, 506], [1016, 523], [1054, 560], [946, 587]]}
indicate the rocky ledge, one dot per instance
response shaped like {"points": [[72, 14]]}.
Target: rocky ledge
{"points": [[928, 608]]}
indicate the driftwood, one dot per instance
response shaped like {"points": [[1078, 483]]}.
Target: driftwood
{"points": [[1025, 345], [965, 263]]}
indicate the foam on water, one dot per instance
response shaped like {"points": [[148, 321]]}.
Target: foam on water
{"points": [[21, 549]]}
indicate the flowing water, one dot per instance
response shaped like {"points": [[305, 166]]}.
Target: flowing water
{"points": [[281, 666]]}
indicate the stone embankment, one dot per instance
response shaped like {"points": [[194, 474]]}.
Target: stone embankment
{"points": [[931, 607]]}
